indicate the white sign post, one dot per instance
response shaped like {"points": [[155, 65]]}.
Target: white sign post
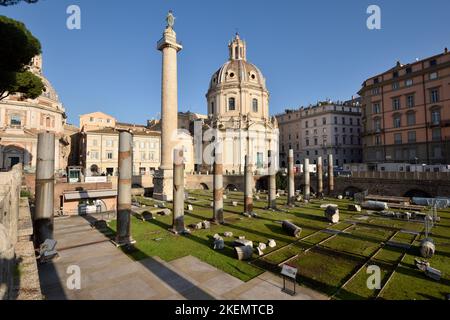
{"points": [[290, 273]]}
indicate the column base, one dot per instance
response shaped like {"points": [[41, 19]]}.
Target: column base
{"points": [[183, 232], [163, 185], [123, 242]]}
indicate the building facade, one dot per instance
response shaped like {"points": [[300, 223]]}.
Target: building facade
{"points": [[21, 120], [100, 151], [96, 120], [326, 128], [406, 113], [238, 109]]}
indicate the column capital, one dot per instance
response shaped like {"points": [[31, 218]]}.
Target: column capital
{"points": [[169, 39]]}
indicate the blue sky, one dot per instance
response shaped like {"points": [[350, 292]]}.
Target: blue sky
{"points": [[307, 50]]}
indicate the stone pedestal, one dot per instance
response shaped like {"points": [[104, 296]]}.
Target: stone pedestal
{"points": [[163, 185]]}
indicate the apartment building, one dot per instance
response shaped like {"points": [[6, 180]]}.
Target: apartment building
{"points": [[325, 128], [100, 151], [406, 113]]}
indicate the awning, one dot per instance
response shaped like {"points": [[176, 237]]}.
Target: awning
{"points": [[89, 194]]}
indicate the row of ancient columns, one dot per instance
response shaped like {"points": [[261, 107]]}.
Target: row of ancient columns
{"points": [[45, 182], [307, 178], [45, 186]]}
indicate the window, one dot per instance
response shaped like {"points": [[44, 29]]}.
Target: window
{"points": [[408, 82], [343, 120], [335, 120], [433, 63], [108, 120], [398, 138], [408, 70], [436, 134], [437, 152], [376, 80], [91, 119], [375, 91], [397, 121], [307, 132], [212, 107], [378, 140], [307, 142], [395, 86], [336, 129], [377, 125], [94, 155], [395, 74], [16, 120], [94, 143], [376, 108], [315, 141], [410, 101], [351, 121], [143, 155], [255, 105], [434, 95], [411, 118], [231, 104], [411, 136], [315, 122], [324, 120], [109, 143], [142, 171], [109, 155], [396, 103], [433, 76], [306, 124], [436, 117]]}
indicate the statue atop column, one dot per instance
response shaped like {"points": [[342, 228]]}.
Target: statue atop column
{"points": [[170, 19]]}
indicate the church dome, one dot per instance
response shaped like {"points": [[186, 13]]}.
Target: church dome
{"points": [[237, 70]]}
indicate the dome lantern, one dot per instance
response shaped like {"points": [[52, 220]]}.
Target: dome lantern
{"points": [[237, 48]]}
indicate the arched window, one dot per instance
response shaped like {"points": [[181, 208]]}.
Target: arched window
{"points": [[231, 104], [255, 105], [47, 122]]}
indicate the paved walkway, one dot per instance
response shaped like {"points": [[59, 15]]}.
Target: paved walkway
{"points": [[108, 273]]}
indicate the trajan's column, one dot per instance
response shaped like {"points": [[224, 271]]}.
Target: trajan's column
{"points": [[163, 179]]}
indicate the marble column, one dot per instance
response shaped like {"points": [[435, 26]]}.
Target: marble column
{"points": [[45, 187], [168, 45], [291, 179], [330, 174], [319, 176], [123, 236], [248, 189], [218, 186], [307, 190], [272, 200], [178, 193]]}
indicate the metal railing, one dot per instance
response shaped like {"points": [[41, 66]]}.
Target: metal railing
{"points": [[401, 175]]}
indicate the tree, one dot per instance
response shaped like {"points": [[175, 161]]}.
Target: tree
{"points": [[18, 47], [13, 2]]}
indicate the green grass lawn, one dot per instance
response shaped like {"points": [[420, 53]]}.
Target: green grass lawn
{"points": [[324, 267]]}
